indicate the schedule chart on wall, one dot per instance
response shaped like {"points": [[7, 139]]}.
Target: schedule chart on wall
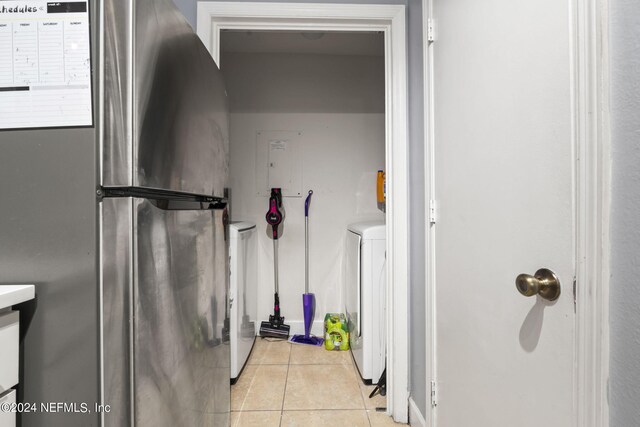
{"points": [[45, 64]]}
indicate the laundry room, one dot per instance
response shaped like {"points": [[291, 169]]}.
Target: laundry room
{"points": [[307, 133]]}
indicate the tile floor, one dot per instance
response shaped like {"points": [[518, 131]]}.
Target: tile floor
{"points": [[297, 385]]}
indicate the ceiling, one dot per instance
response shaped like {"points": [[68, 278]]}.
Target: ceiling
{"points": [[330, 43]]}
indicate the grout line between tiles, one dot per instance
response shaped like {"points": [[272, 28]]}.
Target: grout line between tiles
{"points": [[286, 381], [247, 393], [369, 418], [364, 403]]}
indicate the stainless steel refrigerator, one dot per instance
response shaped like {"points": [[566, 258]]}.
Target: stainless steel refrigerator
{"points": [[122, 228]]}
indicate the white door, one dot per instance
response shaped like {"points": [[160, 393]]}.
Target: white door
{"points": [[504, 188]]}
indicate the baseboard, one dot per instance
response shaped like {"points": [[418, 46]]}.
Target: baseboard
{"points": [[415, 417]]}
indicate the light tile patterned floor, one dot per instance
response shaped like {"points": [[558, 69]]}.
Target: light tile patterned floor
{"points": [[298, 385]]}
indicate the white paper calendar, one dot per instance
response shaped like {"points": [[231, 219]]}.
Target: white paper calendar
{"points": [[45, 64]]}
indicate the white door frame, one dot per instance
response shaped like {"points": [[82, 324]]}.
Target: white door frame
{"points": [[591, 145], [390, 19]]}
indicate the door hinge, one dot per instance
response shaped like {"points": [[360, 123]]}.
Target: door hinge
{"points": [[434, 393], [431, 36], [432, 211]]}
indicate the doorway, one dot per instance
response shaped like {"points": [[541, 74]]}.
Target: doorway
{"points": [[388, 20]]}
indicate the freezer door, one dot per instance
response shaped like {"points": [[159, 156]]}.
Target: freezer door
{"points": [[165, 115], [165, 293]]}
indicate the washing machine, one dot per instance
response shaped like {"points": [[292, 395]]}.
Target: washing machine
{"points": [[365, 296], [243, 293]]}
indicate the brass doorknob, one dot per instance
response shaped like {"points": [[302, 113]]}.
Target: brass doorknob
{"points": [[544, 283]]}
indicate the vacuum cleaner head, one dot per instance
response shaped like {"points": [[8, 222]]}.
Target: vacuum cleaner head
{"points": [[274, 329]]}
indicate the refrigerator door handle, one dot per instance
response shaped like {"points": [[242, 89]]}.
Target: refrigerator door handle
{"points": [[166, 199]]}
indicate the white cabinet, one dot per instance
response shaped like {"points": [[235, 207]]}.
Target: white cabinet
{"points": [[9, 336], [10, 295], [8, 419]]}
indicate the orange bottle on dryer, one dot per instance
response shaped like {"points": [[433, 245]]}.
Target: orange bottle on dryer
{"points": [[381, 193]]}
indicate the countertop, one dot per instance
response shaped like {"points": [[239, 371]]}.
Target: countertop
{"points": [[15, 294]]}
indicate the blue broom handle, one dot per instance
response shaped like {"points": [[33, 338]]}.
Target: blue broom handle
{"points": [[307, 202]]}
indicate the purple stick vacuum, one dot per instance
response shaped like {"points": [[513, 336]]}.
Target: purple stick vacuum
{"points": [[308, 299]]}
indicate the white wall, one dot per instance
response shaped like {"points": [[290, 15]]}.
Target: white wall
{"points": [[624, 393], [296, 83], [335, 101]]}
